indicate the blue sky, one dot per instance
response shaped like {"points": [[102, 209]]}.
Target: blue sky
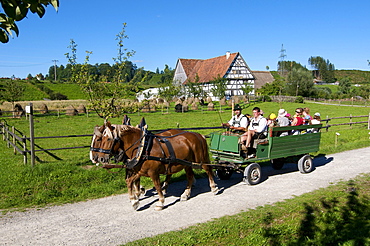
{"points": [[162, 31]]}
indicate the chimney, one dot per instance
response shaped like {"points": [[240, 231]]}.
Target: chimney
{"points": [[227, 55]]}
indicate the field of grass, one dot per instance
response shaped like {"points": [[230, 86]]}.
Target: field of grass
{"points": [[67, 176]]}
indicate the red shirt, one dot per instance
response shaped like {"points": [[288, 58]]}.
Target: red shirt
{"points": [[300, 121]]}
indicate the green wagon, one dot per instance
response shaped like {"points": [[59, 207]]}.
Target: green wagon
{"points": [[229, 155]]}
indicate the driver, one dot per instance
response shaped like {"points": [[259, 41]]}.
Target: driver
{"points": [[239, 122]]}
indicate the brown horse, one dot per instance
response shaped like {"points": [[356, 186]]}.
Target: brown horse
{"points": [[96, 144], [188, 148]]}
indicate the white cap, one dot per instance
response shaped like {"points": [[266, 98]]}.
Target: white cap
{"points": [[317, 114]]}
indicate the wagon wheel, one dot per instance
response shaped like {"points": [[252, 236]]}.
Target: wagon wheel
{"points": [[252, 174], [305, 164], [278, 163], [224, 173]]}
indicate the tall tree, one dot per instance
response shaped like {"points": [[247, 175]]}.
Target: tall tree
{"points": [[16, 10], [323, 69], [13, 91], [345, 85]]}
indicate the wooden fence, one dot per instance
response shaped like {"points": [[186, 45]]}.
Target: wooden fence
{"points": [[18, 141]]}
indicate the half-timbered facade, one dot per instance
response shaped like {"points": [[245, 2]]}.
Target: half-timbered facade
{"points": [[231, 66]]}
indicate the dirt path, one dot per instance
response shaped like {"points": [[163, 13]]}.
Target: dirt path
{"points": [[112, 221]]}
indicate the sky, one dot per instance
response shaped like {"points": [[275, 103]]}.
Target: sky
{"points": [[161, 32]]}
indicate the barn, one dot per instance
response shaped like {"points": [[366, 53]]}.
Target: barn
{"points": [[231, 66]]}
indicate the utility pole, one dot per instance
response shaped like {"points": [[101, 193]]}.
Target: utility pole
{"points": [[282, 56], [55, 69]]}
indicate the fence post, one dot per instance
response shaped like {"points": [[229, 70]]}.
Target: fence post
{"points": [[24, 149], [350, 121], [327, 123], [368, 123], [32, 136], [13, 140]]}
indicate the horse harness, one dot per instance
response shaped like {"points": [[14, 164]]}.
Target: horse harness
{"points": [[143, 151]]}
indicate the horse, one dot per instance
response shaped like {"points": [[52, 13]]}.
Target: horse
{"points": [[166, 155], [95, 148]]}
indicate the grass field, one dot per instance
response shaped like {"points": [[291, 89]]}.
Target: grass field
{"points": [[67, 176]]}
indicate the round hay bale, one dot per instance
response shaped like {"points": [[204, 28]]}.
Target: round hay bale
{"points": [[81, 109], [44, 109], [71, 111], [211, 106]]}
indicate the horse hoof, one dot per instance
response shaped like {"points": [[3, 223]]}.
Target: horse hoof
{"points": [[158, 208], [135, 204], [184, 198], [216, 191], [142, 190]]}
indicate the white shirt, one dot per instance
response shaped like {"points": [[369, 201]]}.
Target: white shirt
{"points": [[241, 121], [259, 124]]}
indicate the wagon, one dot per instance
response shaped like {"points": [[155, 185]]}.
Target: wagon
{"points": [[229, 155]]}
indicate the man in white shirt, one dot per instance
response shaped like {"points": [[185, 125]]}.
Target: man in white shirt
{"points": [[257, 128], [239, 122]]}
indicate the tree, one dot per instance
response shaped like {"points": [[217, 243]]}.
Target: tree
{"points": [[13, 91], [219, 87], [345, 85], [274, 88], [105, 98], [299, 83], [287, 66], [16, 10], [324, 70]]}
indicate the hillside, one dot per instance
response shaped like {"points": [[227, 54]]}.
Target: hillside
{"points": [[356, 76]]}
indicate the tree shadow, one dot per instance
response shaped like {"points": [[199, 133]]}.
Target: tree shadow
{"points": [[329, 222]]}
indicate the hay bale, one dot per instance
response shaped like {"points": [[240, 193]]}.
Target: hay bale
{"points": [[18, 111], [223, 101], [209, 99], [71, 111], [81, 109], [185, 107], [178, 108], [160, 100], [211, 106], [194, 106], [44, 109]]}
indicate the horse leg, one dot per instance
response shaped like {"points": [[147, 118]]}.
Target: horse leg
{"points": [[212, 182], [166, 183], [157, 184], [131, 181], [139, 190], [190, 177]]}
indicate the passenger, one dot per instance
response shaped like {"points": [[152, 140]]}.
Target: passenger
{"points": [[239, 122], [282, 120], [256, 130], [316, 120], [271, 120], [298, 120], [306, 116]]}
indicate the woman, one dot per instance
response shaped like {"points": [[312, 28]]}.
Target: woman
{"points": [[298, 120]]}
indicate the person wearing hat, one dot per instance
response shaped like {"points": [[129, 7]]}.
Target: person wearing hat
{"points": [[282, 120], [239, 122]]}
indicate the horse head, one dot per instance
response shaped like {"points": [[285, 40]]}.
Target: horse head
{"points": [[95, 143]]}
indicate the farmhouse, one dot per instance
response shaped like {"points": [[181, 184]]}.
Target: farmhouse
{"points": [[231, 66]]}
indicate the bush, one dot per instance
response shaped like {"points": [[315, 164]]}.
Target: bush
{"points": [[299, 99]]}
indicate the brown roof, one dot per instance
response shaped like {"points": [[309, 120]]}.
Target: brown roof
{"points": [[207, 70], [262, 78]]}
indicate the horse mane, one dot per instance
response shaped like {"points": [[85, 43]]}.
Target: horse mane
{"points": [[122, 129]]}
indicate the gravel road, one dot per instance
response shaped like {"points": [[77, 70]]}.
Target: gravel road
{"points": [[112, 221]]}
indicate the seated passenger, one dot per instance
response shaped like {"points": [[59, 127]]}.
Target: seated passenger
{"points": [[297, 120], [282, 120], [256, 130], [316, 120], [306, 116], [239, 122]]}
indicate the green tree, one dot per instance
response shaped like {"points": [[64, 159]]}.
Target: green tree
{"points": [[345, 85], [287, 66], [16, 10], [105, 98], [323, 69], [299, 83], [274, 88], [219, 87], [13, 91]]}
